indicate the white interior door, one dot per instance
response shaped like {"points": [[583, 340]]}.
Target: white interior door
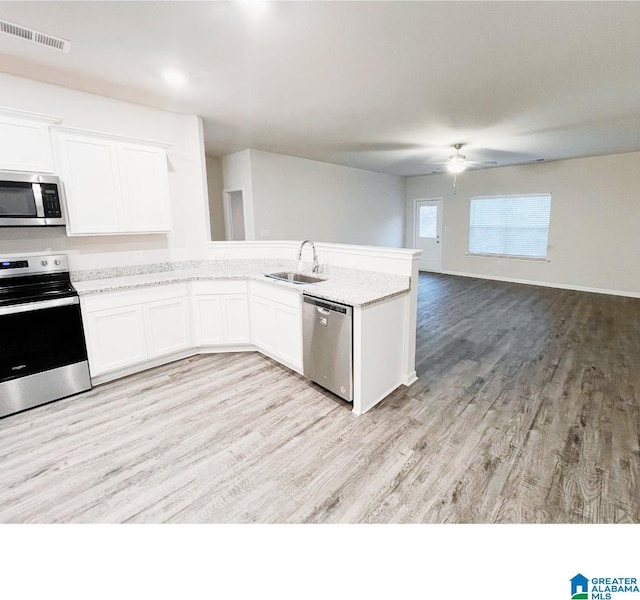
{"points": [[428, 234]]}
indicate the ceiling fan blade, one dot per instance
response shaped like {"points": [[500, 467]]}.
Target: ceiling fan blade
{"points": [[481, 162]]}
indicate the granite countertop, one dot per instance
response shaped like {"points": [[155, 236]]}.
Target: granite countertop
{"points": [[348, 286]]}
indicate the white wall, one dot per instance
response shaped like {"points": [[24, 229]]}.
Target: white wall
{"points": [[594, 228], [297, 198], [216, 210], [187, 176]]}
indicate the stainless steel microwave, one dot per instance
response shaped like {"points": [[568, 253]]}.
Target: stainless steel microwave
{"points": [[30, 200]]}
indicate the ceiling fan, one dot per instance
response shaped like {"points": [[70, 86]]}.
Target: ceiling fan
{"points": [[458, 163]]}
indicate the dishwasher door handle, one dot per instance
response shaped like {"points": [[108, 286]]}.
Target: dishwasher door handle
{"points": [[323, 311]]}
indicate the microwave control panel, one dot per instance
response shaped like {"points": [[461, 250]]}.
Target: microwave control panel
{"points": [[51, 200]]}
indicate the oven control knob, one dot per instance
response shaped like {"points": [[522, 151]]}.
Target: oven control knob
{"points": [[56, 261], [44, 263]]}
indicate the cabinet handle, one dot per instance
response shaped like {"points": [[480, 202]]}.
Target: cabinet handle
{"points": [[22, 308]]}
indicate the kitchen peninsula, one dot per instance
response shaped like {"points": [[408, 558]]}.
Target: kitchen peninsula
{"points": [[140, 316]]}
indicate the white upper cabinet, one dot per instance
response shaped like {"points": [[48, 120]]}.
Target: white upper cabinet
{"points": [[25, 143], [90, 174], [145, 186], [113, 185]]}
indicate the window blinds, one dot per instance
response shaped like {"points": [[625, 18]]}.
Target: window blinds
{"points": [[510, 225]]}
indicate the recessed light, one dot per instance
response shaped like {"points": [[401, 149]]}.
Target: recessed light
{"points": [[174, 78], [255, 8]]}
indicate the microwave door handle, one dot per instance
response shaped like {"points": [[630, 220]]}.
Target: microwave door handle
{"points": [[42, 305], [37, 194]]}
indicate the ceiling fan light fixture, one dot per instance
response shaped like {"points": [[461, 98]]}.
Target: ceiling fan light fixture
{"points": [[456, 164]]}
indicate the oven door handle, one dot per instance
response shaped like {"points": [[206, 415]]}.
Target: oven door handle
{"points": [[42, 305]]}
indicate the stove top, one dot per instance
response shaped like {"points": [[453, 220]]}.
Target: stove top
{"points": [[34, 278]]}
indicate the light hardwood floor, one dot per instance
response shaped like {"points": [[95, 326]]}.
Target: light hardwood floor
{"points": [[526, 410]]}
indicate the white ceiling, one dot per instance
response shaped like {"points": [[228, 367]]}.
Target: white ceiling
{"points": [[384, 86]]}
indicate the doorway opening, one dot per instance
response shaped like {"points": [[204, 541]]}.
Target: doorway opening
{"points": [[234, 215]]}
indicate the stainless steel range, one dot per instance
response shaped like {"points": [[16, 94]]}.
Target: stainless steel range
{"points": [[43, 355]]}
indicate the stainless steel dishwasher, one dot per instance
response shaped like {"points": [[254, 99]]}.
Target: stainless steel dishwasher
{"points": [[328, 344]]}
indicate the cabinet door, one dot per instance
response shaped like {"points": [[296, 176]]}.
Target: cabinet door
{"points": [[145, 187], [115, 338], [208, 320], [167, 326], [236, 319], [263, 324], [289, 335], [90, 176], [25, 145]]}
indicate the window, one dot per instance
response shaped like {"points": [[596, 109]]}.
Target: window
{"points": [[510, 225], [428, 221]]}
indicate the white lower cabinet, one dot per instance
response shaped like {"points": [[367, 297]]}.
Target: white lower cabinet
{"points": [[220, 313], [167, 326], [236, 319], [115, 338], [263, 324], [127, 328], [208, 320], [276, 323], [289, 335]]}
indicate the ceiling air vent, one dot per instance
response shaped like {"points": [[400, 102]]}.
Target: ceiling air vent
{"points": [[37, 37]]}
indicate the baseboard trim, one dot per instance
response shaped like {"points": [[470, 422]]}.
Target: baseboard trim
{"points": [[169, 358], [410, 378], [360, 409], [562, 286], [297, 368], [141, 366], [228, 348]]}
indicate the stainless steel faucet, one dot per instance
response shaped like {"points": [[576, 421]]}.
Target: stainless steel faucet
{"points": [[316, 264]]}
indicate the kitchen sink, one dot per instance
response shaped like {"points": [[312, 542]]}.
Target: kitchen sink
{"points": [[293, 277]]}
